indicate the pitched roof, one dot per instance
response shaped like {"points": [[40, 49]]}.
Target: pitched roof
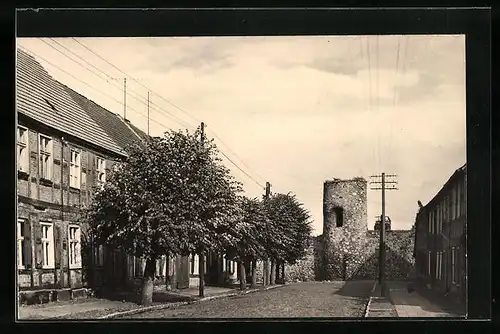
{"points": [[114, 125], [42, 98]]}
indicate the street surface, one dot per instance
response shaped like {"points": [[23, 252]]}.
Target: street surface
{"points": [[309, 299]]}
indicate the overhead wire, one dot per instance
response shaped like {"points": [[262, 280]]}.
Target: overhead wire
{"points": [[370, 89], [121, 71], [85, 83], [135, 95], [166, 100], [394, 101]]}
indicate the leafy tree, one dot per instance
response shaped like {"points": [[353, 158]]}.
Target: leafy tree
{"points": [[289, 231], [171, 196], [249, 234]]}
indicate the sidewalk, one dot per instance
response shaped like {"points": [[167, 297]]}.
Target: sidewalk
{"points": [[414, 304], [124, 302], [379, 307], [93, 308]]}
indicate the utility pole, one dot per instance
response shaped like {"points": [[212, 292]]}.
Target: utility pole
{"points": [[148, 115], [266, 280], [201, 262], [124, 98], [383, 187]]}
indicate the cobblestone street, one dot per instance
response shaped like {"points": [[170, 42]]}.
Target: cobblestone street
{"points": [[311, 299]]}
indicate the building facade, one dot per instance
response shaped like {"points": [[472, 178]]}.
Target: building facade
{"points": [[440, 238], [66, 145]]}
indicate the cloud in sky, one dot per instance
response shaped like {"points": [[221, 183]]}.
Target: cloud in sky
{"points": [[296, 110]]}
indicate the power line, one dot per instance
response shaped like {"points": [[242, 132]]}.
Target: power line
{"points": [[394, 100], [172, 104], [370, 87], [136, 95], [241, 160], [236, 165], [90, 86], [150, 105], [169, 102]]}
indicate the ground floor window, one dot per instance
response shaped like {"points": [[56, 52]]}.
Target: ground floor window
{"points": [[429, 263], [99, 255], [47, 245], [75, 254], [21, 249], [439, 265]]}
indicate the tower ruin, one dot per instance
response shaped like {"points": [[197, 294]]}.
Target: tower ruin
{"points": [[344, 224]]}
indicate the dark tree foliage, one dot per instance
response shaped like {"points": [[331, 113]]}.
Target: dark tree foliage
{"points": [[172, 195]]}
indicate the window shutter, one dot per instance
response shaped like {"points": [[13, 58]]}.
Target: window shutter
{"points": [[27, 243], [38, 244], [57, 246]]}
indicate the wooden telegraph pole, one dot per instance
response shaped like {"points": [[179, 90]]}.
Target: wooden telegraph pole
{"points": [[383, 187], [266, 278], [201, 262]]}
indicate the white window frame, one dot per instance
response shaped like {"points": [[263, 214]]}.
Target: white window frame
{"points": [[75, 169], [439, 265], [47, 153], [99, 255], [101, 169], [23, 161], [453, 263], [74, 246], [48, 252], [20, 244], [429, 257]]}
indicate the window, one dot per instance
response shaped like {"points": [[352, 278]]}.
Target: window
{"points": [[74, 170], [21, 251], [339, 216], [429, 263], [47, 245], [138, 271], [45, 153], [454, 203], [195, 263], [74, 247], [453, 260], [439, 265], [22, 149], [99, 255], [430, 222], [101, 170]]}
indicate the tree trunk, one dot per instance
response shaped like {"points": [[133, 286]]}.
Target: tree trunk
{"points": [[167, 273], [283, 272], [273, 272], [147, 282], [254, 274], [201, 271], [266, 272], [243, 278]]}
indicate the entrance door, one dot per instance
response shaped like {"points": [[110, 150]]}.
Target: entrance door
{"points": [[183, 273]]}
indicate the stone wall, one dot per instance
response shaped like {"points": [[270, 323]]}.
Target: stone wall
{"points": [[344, 232]]}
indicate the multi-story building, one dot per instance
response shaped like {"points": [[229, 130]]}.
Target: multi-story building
{"points": [[440, 253], [66, 145]]}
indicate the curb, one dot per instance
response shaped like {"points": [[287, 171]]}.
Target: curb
{"points": [[193, 301]]}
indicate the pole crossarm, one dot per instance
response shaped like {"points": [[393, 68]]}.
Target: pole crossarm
{"points": [[384, 185]]}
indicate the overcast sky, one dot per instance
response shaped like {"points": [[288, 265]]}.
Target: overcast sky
{"points": [[296, 111]]}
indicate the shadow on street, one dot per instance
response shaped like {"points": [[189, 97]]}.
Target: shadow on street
{"points": [[355, 289]]}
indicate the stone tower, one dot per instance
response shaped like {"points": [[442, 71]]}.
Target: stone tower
{"points": [[344, 223]]}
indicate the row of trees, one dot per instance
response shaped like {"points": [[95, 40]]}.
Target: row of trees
{"points": [[173, 196]]}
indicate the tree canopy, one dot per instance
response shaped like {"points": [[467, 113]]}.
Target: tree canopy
{"points": [[172, 194]]}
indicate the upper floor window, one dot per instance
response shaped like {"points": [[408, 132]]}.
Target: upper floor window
{"points": [[74, 246], [22, 149], [47, 245], [101, 170], [74, 169], [45, 152]]}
